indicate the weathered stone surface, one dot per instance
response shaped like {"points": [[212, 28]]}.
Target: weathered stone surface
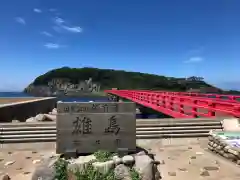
{"points": [[233, 152], [50, 117], [204, 173], [70, 136], [193, 157], [103, 167], [144, 166], [40, 117], [162, 162], [156, 162], [8, 163], [140, 153], [36, 161], [231, 124], [156, 173], [81, 162], [54, 111], [117, 160], [127, 159], [45, 170], [5, 177], [182, 169], [172, 173], [211, 168], [15, 121], [199, 153], [121, 172], [31, 119]]}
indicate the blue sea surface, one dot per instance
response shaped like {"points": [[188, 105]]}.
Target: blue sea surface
{"points": [[64, 99], [13, 94]]}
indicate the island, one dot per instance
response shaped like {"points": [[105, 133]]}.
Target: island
{"points": [[87, 81]]}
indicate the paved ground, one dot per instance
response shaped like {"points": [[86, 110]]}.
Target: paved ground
{"points": [[188, 157], [184, 159]]}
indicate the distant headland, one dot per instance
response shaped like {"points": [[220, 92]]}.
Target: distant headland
{"points": [[80, 82]]}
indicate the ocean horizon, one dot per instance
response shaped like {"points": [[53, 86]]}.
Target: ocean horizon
{"points": [[14, 94], [69, 99]]}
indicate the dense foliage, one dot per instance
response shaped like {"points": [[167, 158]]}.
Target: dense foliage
{"points": [[109, 78]]}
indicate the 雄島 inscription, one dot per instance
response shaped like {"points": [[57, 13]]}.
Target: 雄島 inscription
{"points": [[113, 127], [95, 129], [82, 125]]}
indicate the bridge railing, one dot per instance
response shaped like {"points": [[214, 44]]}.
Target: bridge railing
{"points": [[180, 105], [230, 98]]}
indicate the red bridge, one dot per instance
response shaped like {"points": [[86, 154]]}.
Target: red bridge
{"points": [[183, 104]]}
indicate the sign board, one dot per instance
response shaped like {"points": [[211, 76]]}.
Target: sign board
{"points": [[232, 138], [87, 127]]}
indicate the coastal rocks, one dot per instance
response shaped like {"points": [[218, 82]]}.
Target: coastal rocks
{"points": [[37, 118], [222, 147], [31, 119], [42, 117], [54, 111], [51, 117]]}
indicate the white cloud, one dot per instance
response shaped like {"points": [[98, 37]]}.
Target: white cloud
{"points": [[47, 34], [194, 60], [52, 46], [37, 10], [59, 21], [20, 20], [61, 25], [75, 29]]}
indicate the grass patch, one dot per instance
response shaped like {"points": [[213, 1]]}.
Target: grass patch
{"points": [[89, 172], [61, 169], [134, 174], [103, 156]]}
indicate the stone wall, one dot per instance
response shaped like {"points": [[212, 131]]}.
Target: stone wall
{"points": [[23, 110], [230, 151]]}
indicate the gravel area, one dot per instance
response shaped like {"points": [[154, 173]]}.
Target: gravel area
{"points": [[181, 159]]}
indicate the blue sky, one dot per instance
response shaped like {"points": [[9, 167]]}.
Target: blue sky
{"points": [[176, 38]]}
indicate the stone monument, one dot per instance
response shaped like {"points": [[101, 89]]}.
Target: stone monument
{"points": [[85, 127]]}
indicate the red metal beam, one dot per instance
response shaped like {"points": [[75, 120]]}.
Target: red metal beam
{"points": [[180, 104]]}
